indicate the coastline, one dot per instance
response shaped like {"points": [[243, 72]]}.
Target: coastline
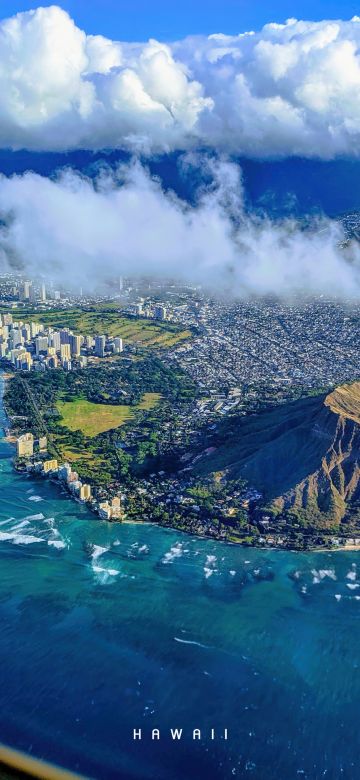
{"points": [[341, 547]]}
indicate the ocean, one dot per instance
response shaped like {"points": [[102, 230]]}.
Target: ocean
{"points": [[107, 628]]}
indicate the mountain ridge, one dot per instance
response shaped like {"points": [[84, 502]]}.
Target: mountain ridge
{"points": [[304, 457]]}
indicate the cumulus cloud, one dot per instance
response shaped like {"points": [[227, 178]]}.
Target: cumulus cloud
{"points": [[290, 89], [61, 89], [80, 231]]}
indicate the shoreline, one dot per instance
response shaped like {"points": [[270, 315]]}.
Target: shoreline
{"points": [[11, 439], [267, 547], [352, 547]]}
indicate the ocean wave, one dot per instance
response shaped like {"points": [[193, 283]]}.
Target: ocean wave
{"points": [[208, 572], [320, 575], [21, 524], [59, 544], [351, 575], [191, 642], [16, 538], [21, 539], [6, 536], [211, 560], [112, 572], [175, 552], [35, 498], [9, 520], [210, 565], [104, 576], [97, 551], [26, 531]]}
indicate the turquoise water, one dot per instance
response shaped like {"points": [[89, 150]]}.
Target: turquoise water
{"points": [[106, 628]]}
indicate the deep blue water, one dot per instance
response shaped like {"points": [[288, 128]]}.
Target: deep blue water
{"points": [[105, 628]]}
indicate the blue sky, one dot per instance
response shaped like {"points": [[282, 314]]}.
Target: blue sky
{"points": [[166, 19]]}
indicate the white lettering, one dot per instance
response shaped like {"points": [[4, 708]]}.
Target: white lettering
{"points": [[155, 734], [196, 734], [137, 734], [176, 733]]}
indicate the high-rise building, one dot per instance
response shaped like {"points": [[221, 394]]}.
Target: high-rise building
{"points": [[15, 354], [25, 291], [85, 493], [16, 338], [7, 319], [65, 351], [24, 361], [35, 328], [42, 443], [116, 507], [75, 345], [25, 332], [65, 336], [105, 510], [41, 344], [43, 292], [25, 445], [100, 342], [55, 340], [118, 344], [50, 465]]}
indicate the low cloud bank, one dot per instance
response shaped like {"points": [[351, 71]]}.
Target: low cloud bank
{"points": [[82, 231]]}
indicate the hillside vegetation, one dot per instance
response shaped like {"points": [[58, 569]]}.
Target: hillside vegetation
{"points": [[304, 457]]}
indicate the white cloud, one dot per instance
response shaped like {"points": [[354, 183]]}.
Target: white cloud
{"points": [[81, 231], [61, 89], [291, 88]]}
